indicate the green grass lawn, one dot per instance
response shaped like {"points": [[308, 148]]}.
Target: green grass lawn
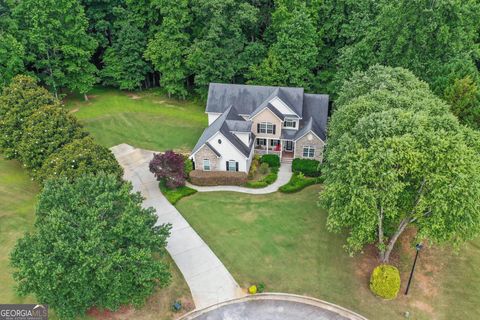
{"points": [[17, 204], [281, 240], [146, 120]]}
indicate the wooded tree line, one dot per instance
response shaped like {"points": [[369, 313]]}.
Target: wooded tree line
{"points": [[184, 45]]}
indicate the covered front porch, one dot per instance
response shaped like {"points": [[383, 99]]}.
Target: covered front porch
{"points": [[281, 147]]}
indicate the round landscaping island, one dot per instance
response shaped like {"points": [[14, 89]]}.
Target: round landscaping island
{"points": [[273, 306]]}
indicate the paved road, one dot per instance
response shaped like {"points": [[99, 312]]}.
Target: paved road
{"points": [[274, 306], [284, 175], [208, 279]]}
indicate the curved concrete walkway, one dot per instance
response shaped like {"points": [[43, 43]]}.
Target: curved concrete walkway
{"points": [[284, 175], [274, 306], [208, 279]]}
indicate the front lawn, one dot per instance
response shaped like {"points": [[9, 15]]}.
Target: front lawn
{"points": [[17, 204], [146, 120], [281, 240]]}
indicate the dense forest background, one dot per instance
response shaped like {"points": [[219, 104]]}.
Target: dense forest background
{"points": [[182, 45]]}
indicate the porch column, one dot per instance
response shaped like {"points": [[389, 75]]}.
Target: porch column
{"points": [[281, 149], [268, 144]]}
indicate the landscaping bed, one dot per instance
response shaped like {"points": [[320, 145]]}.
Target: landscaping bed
{"points": [[263, 171], [174, 195]]}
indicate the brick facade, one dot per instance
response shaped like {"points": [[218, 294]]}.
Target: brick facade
{"points": [[206, 153], [310, 139]]}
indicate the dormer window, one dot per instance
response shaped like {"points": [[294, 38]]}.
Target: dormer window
{"points": [[289, 123]]}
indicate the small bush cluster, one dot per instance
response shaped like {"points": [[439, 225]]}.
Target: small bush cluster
{"points": [[215, 178], [272, 159], [254, 166], [267, 180], [297, 182], [309, 167], [263, 168], [385, 281]]}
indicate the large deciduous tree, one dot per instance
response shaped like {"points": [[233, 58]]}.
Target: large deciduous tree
{"points": [[293, 54], [404, 161], [46, 131], [57, 47], [219, 32], [93, 246], [19, 100], [168, 50], [437, 40], [464, 97], [78, 158]]}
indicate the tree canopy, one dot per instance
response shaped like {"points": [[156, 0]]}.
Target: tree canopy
{"points": [[78, 158], [403, 160], [93, 246], [19, 100]]}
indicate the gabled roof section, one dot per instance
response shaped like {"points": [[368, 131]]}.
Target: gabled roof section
{"points": [[213, 149], [222, 124], [311, 125], [316, 106], [247, 98], [269, 106]]}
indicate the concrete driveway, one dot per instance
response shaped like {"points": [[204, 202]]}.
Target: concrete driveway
{"points": [[208, 279]]}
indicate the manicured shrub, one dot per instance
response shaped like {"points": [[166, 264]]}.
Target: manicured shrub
{"points": [[272, 159], [252, 289], [263, 168], [261, 287], [92, 238], [18, 101], [215, 178], [169, 166], [297, 182], [253, 167], [80, 157], [47, 130], [187, 166], [308, 167], [385, 281]]}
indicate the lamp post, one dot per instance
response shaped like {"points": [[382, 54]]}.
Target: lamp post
{"points": [[418, 247]]}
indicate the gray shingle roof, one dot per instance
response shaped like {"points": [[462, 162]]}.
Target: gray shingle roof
{"points": [[239, 125], [316, 106], [247, 98], [311, 125], [221, 125], [213, 149]]}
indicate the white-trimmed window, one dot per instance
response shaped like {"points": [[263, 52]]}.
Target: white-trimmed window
{"points": [[231, 165], [290, 123], [308, 152], [206, 165], [261, 142], [266, 127]]}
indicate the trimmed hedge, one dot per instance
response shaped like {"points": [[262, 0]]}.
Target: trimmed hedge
{"points": [[267, 180], [385, 281], [272, 159], [216, 178], [297, 182], [308, 167]]}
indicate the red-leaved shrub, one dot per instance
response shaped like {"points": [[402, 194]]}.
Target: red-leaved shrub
{"points": [[168, 166]]}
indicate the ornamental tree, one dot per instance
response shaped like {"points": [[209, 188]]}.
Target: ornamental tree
{"points": [[46, 131], [398, 167], [464, 97], [93, 245], [78, 158], [19, 100], [168, 166]]}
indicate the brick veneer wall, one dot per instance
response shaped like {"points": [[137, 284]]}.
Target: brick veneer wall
{"points": [[310, 140], [205, 153]]}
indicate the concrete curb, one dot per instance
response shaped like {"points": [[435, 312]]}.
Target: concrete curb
{"points": [[341, 311]]}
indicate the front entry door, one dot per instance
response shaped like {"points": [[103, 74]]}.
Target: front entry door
{"points": [[288, 145]]}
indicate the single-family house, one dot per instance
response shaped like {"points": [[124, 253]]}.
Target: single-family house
{"points": [[247, 119]]}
